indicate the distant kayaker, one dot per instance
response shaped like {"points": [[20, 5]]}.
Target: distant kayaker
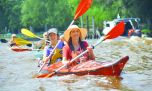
{"points": [[12, 42], [76, 45], [130, 32], [42, 43], [57, 54]]}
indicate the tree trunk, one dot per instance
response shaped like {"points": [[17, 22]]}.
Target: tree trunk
{"points": [[81, 20], [93, 27], [87, 23]]}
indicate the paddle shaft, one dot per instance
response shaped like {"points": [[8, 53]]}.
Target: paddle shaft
{"points": [[71, 23], [42, 38]]}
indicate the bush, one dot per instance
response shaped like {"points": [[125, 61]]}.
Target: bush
{"points": [[146, 31]]}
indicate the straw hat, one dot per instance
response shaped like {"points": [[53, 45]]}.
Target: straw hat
{"points": [[83, 32]]}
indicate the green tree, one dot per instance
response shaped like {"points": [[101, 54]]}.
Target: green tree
{"points": [[38, 13], [141, 9], [105, 10], [11, 11], [3, 18], [14, 14]]}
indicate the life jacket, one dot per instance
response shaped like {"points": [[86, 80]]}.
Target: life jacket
{"points": [[57, 55], [72, 54], [12, 43]]}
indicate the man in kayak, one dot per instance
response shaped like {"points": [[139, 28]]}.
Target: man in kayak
{"points": [[57, 54], [75, 45]]}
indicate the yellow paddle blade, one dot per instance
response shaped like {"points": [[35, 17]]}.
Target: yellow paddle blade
{"points": [[28, 33], [20, 41]]}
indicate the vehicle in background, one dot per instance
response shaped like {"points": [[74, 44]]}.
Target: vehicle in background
{"points": [[131, 26]]}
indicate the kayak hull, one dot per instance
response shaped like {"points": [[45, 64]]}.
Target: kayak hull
{"points": [[20, 49], [91, 68]]}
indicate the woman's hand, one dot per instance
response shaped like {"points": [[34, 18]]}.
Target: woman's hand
{"points": [[64, 61], [91, 54], [90, 49], [83, 59], [46, 60]]}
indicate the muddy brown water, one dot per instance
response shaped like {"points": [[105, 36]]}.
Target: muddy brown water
{"points": [[18, 68]]}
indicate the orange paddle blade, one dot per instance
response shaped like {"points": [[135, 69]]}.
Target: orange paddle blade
{"points": [[116, 31], [82, 8], [46, 75], [50, 75], [42, 76]]}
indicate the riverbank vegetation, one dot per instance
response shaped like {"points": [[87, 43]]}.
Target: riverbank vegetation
{"points": [[39, 15]]}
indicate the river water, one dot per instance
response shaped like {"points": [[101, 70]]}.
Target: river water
{"points": [[18, 68]]}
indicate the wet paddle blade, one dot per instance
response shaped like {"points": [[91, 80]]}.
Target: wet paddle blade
{"points": [[50, 75], [28, 33], [41, 76], [20, 41], [116, 31], [3, 40], [46, 75], [82, 8]]}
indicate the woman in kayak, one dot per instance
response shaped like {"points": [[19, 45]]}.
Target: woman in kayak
{"points": [[57, 54], [75, 45]]}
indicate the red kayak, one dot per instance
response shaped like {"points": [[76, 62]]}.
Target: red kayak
{"points": [[18, 49], [91, 68]]}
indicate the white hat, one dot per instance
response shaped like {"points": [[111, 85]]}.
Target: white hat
{"points": [[83, 32], [13, 35], [53, 30]]}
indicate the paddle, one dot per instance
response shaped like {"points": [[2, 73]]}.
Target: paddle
{"points": [[81, 9], [29, 33], [20, 41], [3, 40], [115, 32]]}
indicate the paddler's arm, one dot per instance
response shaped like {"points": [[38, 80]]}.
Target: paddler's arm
{"points": [[12, 43], [65, 51], [45, 58]]}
